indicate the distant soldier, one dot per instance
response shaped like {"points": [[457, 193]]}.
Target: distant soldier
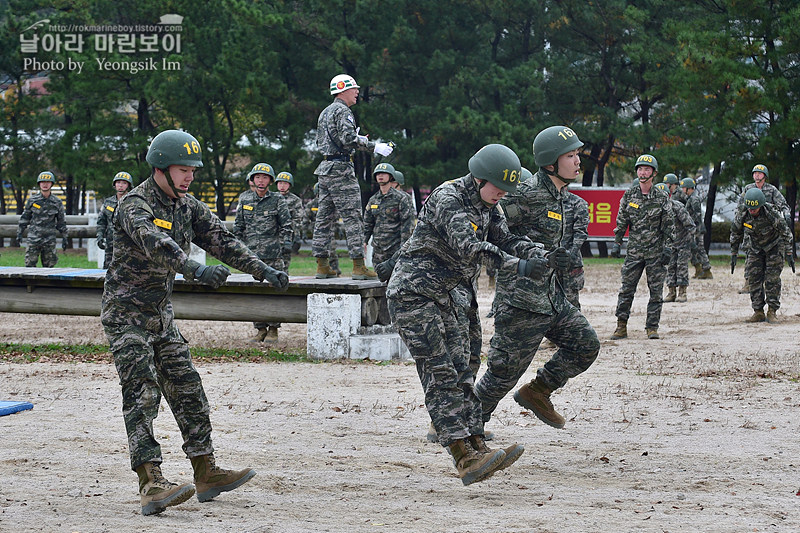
{"points": [[154, 227], [647, 213], [122, 183], [337, 138], [284, 182], [264, 224], [576, 231], [678, 268], [43, 216], [689, 197], [311, 218], [770, 243], [388, 216]]}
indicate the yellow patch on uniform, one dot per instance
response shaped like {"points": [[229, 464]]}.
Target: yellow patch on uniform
{"points": [[474, 227], [37, 206], [315, 208], [551, 214], [746, 225], [374, 206], [633, 205], [247, 207], [110, 208], [162, 223]]}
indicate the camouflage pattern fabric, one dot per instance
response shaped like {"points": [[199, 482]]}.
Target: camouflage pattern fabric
{"points": [[152, 238], [311, 218], [576, 231], [773, 196], [105, 227], [694, 207], [278, 264], [44, 218], [338, 186], [297, 213], [263, 224], [446, 248], [770, 241], [468, 317], [650, 222], [527, 309], [389, 221], [678, 268]]}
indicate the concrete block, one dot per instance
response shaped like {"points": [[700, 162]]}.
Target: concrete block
{"points": [[379, 347], [331, 320]]}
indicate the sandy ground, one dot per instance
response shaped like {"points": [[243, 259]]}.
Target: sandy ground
{"points": [[697, 431]]}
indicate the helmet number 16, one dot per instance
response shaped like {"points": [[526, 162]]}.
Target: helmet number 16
{"points": [[193, 149]]}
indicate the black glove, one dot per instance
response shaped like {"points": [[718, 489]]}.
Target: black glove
{"points": [[64, 243], [615, 250], [276, 278], [214, 275], [532, 268], [558, 259], [790, 260], [101, 243], [295, 247], [666, 255], [384, 270], [734, 258], [287, 247]]}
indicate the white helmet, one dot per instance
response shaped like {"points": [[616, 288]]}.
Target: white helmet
{"points": [[342, 82]]}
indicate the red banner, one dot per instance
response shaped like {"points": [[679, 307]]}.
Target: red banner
{"points": [[603, 207]]}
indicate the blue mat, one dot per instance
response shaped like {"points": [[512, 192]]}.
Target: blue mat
{"points": [[6, 408]]}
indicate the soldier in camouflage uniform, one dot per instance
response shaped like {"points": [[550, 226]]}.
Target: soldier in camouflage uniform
{"points": [[647, 213], [154, 226], [678, 267], [337, 138], [283, 183], [770, 243], [122, 183], [528, 309], [773, 196], [264, 224], [43, 216], [388, 217], [312, 208], [688, 196], [457, 228], [576, 231]]}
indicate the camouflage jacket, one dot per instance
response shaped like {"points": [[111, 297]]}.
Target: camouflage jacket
{"points": [[312, 208], [649, 219], [336, 136], [694, 205], [766, 231], [296, 211], [684, 225], [389, 220], [773, 196], [152, 239], [105, 226], [445, 247], [536, 210], [44, 218], [576, 228], [263, 224]]}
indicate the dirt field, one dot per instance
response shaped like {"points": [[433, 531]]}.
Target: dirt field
{"points": [[698, 431]]}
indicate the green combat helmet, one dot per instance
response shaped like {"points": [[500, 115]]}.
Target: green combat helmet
{"points": [[526, 175], [399, 178], [262, 168], [671, 179], [46, 176], [761, 168], [386, 168], [647, 160], [122, 176], [174, 147], [754, 198], [688, 183], [498, 165], [287, 177], [662, 186], [552, 142]]}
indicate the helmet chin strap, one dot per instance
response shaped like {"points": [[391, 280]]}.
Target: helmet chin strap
{"points": [[481, 184], [556, 175], [177, 192]]}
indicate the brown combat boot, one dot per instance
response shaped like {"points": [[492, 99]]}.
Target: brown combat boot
{"points": [[652, 333], [622, 330], [473, 465], [670, 295], [772, 316], [259, 336], [360, 271], [706, 274], [681, 294], [745, 288], [698, 269], [512, 452], [271, 334], [536, 397], [324, 270], [211, 479], [758, 316], [158, 493]]}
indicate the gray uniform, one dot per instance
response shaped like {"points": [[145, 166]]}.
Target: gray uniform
{"points": [[45, 219], [576, 231], [389, 221], [678, 268], [338, 185], [528, 309], [153, 236], [296, 211], [105, 227], [770, 242], [650, 222], [445, 249]]}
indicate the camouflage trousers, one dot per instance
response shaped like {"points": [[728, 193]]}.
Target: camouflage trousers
{"points": [[517, 335], [278, 264], [572, 283], [379, 256], [45, 249], [699, 255], [339, 193], [432, 334], [109, 254], [151, 364], [763, 273], [678, 268], [287, 261], [632, 270], [467, 314]]}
